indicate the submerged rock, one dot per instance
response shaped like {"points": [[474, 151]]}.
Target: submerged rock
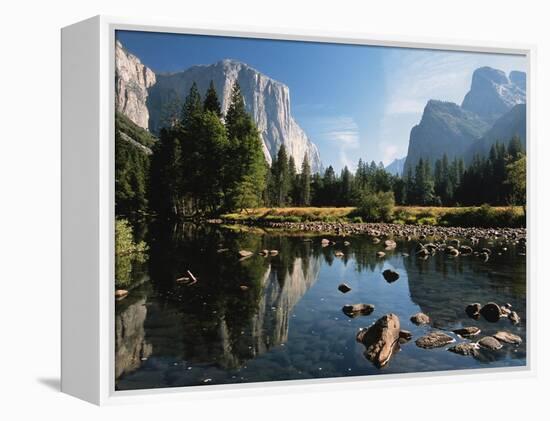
{"points": [[264, 253], [381, 339], [491, 312], [273, 252], [390, 275], [380, 254], [420, 319], [488, 342], [465, 348], [390, 244], [344, 288], [339, 254], [467, 332], [354, 310], [434, 340], [507, 337]]}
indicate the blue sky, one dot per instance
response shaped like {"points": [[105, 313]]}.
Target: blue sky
{"points": [[352, 101]]}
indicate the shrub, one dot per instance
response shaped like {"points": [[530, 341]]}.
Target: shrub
{"points": [[484, 216], [427, 220], [375, 207]]}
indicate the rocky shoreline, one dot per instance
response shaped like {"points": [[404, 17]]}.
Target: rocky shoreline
{"points": [[380, 229]]}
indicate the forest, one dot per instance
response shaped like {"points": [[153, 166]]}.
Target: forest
{"points": [[204, 164]]}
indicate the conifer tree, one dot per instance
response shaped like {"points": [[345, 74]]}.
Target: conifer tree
{"points": [[211, 102]]}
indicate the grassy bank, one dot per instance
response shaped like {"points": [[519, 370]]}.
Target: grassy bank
{"points": [[475, 216]]}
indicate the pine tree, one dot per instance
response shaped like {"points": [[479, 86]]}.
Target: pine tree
{"points": [[245, 164], [293, 181], [211, 102], [192, 105], [305, 182], [281, 177]]}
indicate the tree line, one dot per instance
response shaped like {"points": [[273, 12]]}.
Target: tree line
{"points": [[205, 163]]}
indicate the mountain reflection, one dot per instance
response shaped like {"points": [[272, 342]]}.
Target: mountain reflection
{"points": [[130, 343], [235, 312]]}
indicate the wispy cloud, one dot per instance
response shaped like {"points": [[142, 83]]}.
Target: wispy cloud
{"points": [[414, 77], [342, 134]]}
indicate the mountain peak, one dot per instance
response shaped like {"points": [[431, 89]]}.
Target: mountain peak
{"points": [[493, 93]]}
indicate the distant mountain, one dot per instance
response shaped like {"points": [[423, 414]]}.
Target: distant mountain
{"points": [[493, 109], [396, 166], [492, 93], [513, 123], [445, 128]]}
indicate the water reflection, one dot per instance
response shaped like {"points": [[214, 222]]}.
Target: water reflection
{"points": [[279, 317]]}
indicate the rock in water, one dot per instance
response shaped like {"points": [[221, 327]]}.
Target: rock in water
{"points": [[380, 254], [245, 253], [381, 340], [465, 349], [390, 275], [514, 317], [466, 332], [434, 340], [489, 342], [338, 254], [491, 312], [354, 310], [390, 244], [507, 337], [120, 294], [405, 336], [420, 319], [465, 250], [472, 310], [344, 288]]}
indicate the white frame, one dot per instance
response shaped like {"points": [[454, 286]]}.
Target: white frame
{"points": [[88, 211]]}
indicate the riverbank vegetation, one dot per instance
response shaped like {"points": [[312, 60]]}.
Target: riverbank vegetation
{"points": [[473, 216]]}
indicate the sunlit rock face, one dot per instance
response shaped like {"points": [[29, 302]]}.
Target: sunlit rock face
{"points": [[493, 93], [130, 344], [267, 100], [132, 80]]}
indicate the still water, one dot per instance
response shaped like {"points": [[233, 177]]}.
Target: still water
{"points": [[280, 317]]}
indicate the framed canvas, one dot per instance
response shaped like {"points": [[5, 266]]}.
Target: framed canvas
{"points": [[246, 209]]}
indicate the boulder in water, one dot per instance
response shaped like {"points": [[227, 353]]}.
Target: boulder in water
{"points": [[344, 288], [381, 340], [507, 337], [390, 275], [491, 312], [420, 319], [434, 340], [354, 310], [467, 332]]}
